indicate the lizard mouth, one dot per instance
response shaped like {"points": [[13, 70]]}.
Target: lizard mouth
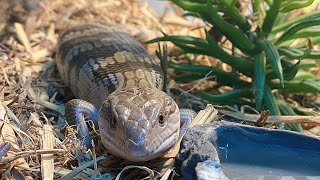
{"points": [[146, 149], [167, 143]]}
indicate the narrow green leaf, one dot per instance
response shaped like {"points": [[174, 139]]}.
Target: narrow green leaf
{"points": [[271, 16], [289, 23], [269, 2], [235, 35], [272, 56], [287, 110], [201, 71], [294, 53], [258, 12], [190, 6], [256, 5], [191, 14], [297, 27], [306, 65], [259, 78], [191, 48], [304, 75], [291, 72], [209, 12], [306, 33], [229, 97], [299, 86], [72, 174], [241, 64], [234, 14], [288, 73], [190, 77], [280, 19], [295, 5], [270, 101], [208, 47], [199, 42], [189, 44]]}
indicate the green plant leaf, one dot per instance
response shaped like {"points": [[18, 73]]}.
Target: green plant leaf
{"points": [[284, 26], [243, 65], [202, 71], [271, 16], [287, 110], [235, 35], [190, 6], [233, 12], [297, 27], [207, 47], [291, 72], [229, 97], [294, 53], [181, 39], [303, 75], [299, 86], [270, 101], [187, 43], [307, 64], [306, 33], [288, 73], [258, 12], [272, 56], [292, 5], [259, 78]]}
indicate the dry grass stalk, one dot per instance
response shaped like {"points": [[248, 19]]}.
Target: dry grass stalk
{"points": [[47, 166], [273, 119]]}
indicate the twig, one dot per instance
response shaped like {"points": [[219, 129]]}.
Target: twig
{"points": [[22, 36], [162, 54], [273, 119]]}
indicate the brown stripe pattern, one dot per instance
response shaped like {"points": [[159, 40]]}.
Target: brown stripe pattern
{"points": [[95, 54]]}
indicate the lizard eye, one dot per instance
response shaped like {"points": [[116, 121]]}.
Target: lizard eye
{"points": [[161, 120]]}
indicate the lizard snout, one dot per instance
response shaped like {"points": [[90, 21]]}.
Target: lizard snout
{"points": [[135, 134]]}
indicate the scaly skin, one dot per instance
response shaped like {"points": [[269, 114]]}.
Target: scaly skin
{"points": [[109, 70]]}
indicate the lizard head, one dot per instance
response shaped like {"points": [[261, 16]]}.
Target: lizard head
{"points": [[139, 124]]}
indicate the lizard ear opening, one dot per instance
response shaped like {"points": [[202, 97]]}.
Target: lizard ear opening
{"points": [[108, 115], [113, 122]]}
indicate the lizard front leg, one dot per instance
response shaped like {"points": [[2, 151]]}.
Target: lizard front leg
{"points": [[186, 117], [75, 109]]}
